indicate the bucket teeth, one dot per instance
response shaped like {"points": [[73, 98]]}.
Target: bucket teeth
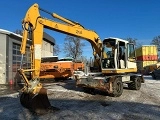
{"points": [[38, 104]]}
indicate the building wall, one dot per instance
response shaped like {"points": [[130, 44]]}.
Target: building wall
{"points": [[47, 49], [10, 56], [3, 58], [14, 54]]}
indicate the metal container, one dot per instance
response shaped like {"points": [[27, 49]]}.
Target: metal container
{"points": [[147, 58], [146, 50], [145, 67], [141, 65]]}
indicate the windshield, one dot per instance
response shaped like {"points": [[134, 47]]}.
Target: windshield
{"points": [[108, 53], [108, 48]]}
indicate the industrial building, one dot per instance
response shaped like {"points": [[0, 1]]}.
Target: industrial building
{"points": [[10, 56]]}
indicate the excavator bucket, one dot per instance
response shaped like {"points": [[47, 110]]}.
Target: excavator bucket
{"points": [[38, 104]]}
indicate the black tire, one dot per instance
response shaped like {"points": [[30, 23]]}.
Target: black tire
{"points": [[153, 76], [117, 87], [135, 84], [89, 90]]}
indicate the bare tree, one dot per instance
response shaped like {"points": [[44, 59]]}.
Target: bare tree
{"points": [[156, 41], [56, 49], [20, 32], [73, 47], [134, 41], [131, 40]]}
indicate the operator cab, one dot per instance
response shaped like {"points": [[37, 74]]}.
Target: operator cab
{"points": [[118, 56]]}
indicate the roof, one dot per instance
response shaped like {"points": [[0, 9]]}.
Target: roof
{"points": [[50, 56], [9, 33], [46, 36], [149, 45], [116, 39]]}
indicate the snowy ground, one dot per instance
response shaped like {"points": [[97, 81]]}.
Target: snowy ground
{"points": [[74, 104]]}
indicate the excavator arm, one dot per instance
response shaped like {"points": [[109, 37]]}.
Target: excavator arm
{"points": [[34, 24]]}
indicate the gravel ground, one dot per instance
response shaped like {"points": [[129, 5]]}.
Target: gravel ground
{"points": [[74, 104]]}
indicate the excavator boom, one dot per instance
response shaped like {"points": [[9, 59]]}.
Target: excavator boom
{"points": [[34, 24]]}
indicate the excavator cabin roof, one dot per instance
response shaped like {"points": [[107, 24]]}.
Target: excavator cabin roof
{"points": [[114, 38]]}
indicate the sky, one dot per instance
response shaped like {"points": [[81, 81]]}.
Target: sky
{"points": [[138, 19]]}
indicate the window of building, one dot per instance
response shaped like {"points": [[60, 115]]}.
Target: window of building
{"points": [[17, 57]]}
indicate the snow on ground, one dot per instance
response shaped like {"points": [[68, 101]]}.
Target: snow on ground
{"points": [[74, 104]]}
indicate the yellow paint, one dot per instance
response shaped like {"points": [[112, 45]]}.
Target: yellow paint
{"points": [[142, 64], [147, 50], [119, 71]]}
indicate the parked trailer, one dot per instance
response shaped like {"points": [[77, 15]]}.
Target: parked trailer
{"points": [[147, 53], [62, 69], [143, 66]]}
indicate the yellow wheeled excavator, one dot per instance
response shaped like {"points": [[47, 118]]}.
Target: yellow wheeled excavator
{"points": [[114, 60]]}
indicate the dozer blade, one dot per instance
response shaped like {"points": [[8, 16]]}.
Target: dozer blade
{"points": [[39, 103]]}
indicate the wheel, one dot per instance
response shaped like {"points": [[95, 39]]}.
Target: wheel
{"points": [[117, 87], [153, 76], [89, 90], [135, 84]]}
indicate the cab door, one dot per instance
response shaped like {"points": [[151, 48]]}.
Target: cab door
{"points": [[131, 52], [121, 55], [131, 56]]}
